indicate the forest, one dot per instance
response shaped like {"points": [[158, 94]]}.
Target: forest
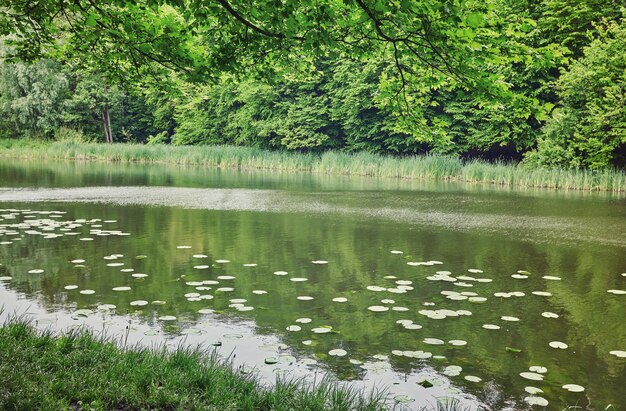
{"points": [[539, 82]]}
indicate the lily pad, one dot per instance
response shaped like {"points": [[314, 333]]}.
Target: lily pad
{"points": [[617, 292], [139, 303], [551, 277], [322, 330], [558, 344], [472, 378], [338, 352], [618, 353], [533, 390], [491, 327], [531, 376], [378, 308], [35, 271], [280, 273], [123, 288], [294, 328], [340, 299], [87, 292], [509, 318], [548, 314], [533, 400], [574, 388]]}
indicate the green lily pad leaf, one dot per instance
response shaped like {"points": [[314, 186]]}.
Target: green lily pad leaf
{"points": [[508, 318], [425, 384], [433, 341], [574, 388], [558, 344], [542, 293], [139, 303], [513, 350], [491, 327], [271, 360], [458, 343], [551, 277], [259, 292], [378, 308], [340, 299], [321, 330], [473, 378], [533, 390], [539, 369], [338, 352], [452, 370], [533, 400], [304, 320], [548, 314], [531, 376]]}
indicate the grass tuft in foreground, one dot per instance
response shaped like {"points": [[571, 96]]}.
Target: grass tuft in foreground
{"points": [[39, 370], [426, 167]]}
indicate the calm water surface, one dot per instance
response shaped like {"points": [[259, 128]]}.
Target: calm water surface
{"points": [[261, 265]]}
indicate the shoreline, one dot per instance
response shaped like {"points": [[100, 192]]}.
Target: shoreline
{"points": [[425, 167]]}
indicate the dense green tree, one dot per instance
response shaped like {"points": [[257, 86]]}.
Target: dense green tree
{"points": [[31, 98], [589, 128]]}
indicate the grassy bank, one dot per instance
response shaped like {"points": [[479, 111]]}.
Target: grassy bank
{"points": [[41, 371], [362, 164]]}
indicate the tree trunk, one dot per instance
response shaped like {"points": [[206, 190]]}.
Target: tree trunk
{"points": [[106, 125]]}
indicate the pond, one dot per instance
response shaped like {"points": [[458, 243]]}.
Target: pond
{"points": [[508, 298]]}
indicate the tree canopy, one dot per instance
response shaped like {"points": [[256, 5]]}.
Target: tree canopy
{"points": [[449, 76]]}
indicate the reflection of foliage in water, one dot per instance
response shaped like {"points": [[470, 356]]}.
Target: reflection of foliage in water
{"points": [[358, 255]]}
